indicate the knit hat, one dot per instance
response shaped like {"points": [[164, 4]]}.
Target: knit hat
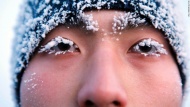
{"points": [[38, 17]]}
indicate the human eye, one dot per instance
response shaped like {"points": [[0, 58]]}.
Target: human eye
{"points": [[59, 45], [148, 47]]}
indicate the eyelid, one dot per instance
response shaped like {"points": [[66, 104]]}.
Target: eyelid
{"points": [[53, 46], [156, 48]]}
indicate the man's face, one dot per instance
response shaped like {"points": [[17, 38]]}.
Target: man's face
{"points": [[132, 67]]}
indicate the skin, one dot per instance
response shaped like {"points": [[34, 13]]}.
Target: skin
{"points": [[104, 73]]}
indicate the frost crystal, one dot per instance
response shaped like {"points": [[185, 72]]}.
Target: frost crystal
{"points": [[56, 1], [31, 82], [126, 19], [90, 23]]}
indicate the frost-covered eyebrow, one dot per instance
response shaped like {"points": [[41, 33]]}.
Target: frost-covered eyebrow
{"points": [[131, 26], [128, 20], [83, 21]]}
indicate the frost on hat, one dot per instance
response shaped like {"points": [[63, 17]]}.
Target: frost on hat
{"points": [[38, 17]]}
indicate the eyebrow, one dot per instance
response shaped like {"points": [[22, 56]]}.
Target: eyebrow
{"points": [[131, 26], [133, 22], [78, 25], [129, 20], [83, 21]]}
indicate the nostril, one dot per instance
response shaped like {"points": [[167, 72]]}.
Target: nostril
{"points": [[116, 103], [89, 103]]}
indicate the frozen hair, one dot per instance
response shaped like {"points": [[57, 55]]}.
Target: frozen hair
{"points": [[38, 17]]}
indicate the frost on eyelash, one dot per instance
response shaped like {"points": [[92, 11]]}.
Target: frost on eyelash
{"points": [[54, 42], [123, 20], [149, 42]]}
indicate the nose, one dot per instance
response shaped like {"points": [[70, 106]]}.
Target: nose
{"points": [[102, 86]]}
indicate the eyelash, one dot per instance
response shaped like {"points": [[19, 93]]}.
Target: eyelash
{"points": [[58, 46], [149, 47], [146, 47]]}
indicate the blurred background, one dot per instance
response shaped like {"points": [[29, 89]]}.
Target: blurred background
{"points": [[8, 15]]}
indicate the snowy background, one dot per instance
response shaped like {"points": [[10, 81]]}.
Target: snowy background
{"points": [[8, 14]]}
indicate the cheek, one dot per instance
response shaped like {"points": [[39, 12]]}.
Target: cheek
{"points": [[162, 91], [47, 87], [31, 89], [156, 83]]}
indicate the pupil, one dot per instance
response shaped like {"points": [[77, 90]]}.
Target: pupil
{"points": [[89, 103], [64, 47], [145, 48]]}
